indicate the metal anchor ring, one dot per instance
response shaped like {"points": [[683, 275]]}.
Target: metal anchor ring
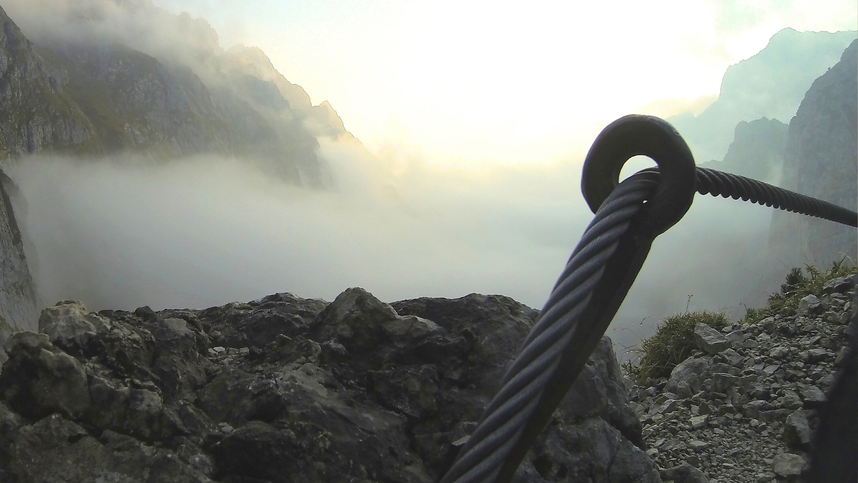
{"points": [[650, 136]]}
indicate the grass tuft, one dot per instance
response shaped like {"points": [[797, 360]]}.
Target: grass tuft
{"points": [[798, 285], [672, 343]]}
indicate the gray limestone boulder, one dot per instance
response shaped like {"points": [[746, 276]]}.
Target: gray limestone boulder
{"points": [[70, 320], [689, 373], [709, 340], [788, 466], [39, 379], [810, 306], [796, 433]]}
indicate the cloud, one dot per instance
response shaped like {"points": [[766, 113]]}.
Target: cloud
{"points": [[123, 232], [139, 24]]}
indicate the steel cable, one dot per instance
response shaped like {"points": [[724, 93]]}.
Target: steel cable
{"points": [[493, 449], [484, 454], [727, 185], [599, 273]]}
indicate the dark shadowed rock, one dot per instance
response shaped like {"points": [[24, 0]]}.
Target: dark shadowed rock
{"points": [[41, 379], [352, 390], [684, 473], [796, 432]]}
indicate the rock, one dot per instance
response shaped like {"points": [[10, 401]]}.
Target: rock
{"points": [[788, 465], [601, 450], [809, 306], [736, 338], [838, 285], [698, 422], [689, 372], [721, 382], [733, 358], [69, 320], [709, 340], [684, 473], [790, 400], [812, 356], [796, 432], [39, 379], [55, 446], [365, 326], [352, 389], [259, 322], [812, 396], [779, 352]]}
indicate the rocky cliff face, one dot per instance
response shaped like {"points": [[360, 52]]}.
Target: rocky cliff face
{"points": [[77, 89], [822, 146], [34, 113], [757, 151], [18, 304], [770, 84], [289, 389]]}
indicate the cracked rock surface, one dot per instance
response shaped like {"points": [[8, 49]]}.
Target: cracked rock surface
{"points": [[285, 389]]}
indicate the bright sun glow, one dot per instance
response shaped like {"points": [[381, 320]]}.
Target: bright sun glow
{"points": [[459, 82]]}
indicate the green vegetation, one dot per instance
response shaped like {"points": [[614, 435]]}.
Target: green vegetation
{"points": [[673, 341], [797, 286]]}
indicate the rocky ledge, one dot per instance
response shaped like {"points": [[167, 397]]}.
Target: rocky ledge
{"points": [[286, 389], [745, 407]]}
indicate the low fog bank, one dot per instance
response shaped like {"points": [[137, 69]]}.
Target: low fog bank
{"points": [[121, 233], [125, 232]]}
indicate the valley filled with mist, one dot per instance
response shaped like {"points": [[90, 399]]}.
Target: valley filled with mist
{"points": [[151, 166]]}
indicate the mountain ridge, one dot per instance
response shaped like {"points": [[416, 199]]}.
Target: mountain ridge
{"points": [[102, 95], [771, 83]]}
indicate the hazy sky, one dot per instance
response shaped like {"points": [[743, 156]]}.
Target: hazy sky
{"points": [[460, 82], [477, 117]]}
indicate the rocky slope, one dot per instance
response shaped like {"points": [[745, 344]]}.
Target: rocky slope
{"points": [[770, 84], [162, 86], [289, 389], [822, 146], [745, 406]]}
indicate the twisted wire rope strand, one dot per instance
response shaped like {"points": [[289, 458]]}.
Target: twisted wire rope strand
{"points": [[728, 185], [484, 453], [508, 413]]}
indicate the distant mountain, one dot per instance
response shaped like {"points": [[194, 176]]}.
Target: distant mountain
{"points": [[102, 77], [820, 161], [770, 84]]}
